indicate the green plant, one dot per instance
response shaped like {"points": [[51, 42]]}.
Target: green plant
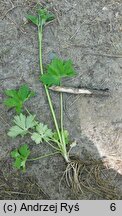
{"points": [[22, 125], [26, 124], [59, 139], [56, 70], [17, 98], [21, 155]]}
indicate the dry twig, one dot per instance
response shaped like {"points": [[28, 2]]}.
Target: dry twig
{"points": [[71, 90]]}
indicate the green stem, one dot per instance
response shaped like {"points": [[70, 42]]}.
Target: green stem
{"points": [[27, 110], [43, 156], [40, 31], [61, 107], [52, 146], [63, 147], [53, 113], [62, 144], [57, 142]]}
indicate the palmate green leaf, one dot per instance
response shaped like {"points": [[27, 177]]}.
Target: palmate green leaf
{"points": [[20, 155], [42, 134], [57, 70], [22, 125], [25, 122], [18, 97], [42, 17], [24, 93]]}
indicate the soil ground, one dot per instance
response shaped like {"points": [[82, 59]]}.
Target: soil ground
{"points": [[90, 33]]}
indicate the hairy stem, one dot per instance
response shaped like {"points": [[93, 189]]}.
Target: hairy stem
{"points": [[40, 32]]}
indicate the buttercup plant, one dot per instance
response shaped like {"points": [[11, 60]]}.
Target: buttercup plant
{"points": [[56, 70], [59, 139], [27, 124]]}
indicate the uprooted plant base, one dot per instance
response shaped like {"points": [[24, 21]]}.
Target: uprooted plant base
{"points": [[81, 176]]}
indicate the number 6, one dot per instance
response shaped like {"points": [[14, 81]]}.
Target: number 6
{"points": [[113, 207]]}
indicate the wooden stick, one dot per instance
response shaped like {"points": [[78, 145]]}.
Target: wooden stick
{"points": [[84, 91]]}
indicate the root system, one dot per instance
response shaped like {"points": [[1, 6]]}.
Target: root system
{"points": [[90, 176]]}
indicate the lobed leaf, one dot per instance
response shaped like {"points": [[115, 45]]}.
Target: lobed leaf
{"points": [[57, 70], [11, 93], [23, 92], [20, 120], [42, 134], [37, 138], [18, 97], [45, 16], [12, 102], [30, 122], [22, 125], [15, 131], [33, 19], [20, 155], [15, 154], [42, 17], [24, 150], [18, 163]]}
